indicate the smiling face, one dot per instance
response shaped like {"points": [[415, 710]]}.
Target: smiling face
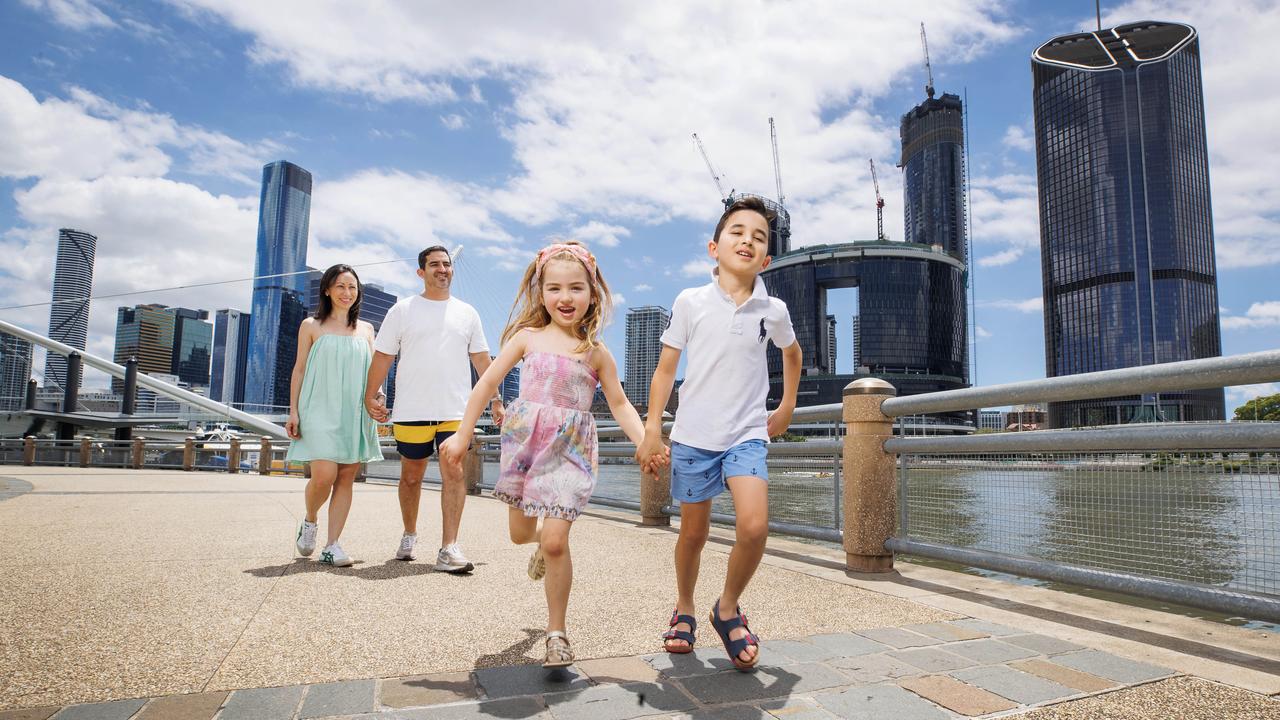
{"points": [[437, 271], [566, 292], [742, 246], [343, 292]]}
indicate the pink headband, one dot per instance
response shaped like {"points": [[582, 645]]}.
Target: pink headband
{"points": [[577, 251]]}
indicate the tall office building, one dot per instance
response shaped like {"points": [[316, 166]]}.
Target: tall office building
{"points": [[72, 286], [280, 287], [15, 371], [230, 354], [510, 389], [855, 322], [192, 346], [933, 186], [831, 344], [644, 346], [146, 333], [1126, 230]]}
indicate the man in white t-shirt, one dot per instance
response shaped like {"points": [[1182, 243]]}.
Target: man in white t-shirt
{"points": [[435, 336]]}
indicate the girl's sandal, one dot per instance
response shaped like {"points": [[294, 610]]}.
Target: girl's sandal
{"points": [[537, 564], [559, 654], [735, 647], [674, 634]]}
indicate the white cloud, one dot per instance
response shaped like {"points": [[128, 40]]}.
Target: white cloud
{"points": [[1030, 305], [1005, 215], [698, 268], [983, 333], [1017, 138], [453, 121], [598, 233], [619, 299], [642, 287], [1259, 314], [74, 14]]}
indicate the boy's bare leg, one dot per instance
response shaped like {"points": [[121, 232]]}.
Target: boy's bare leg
{"points": [[555, 547], [411, 474], [453, 494], [751, 505], [695, 524]]}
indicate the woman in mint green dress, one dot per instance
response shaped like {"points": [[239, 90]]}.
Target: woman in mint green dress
{"points": [[327, 419]]}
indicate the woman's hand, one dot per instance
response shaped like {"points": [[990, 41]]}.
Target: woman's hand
{"points": [[292, 427]]}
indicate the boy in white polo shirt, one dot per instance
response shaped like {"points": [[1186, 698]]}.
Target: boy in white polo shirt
{"points": [[721, 425]]}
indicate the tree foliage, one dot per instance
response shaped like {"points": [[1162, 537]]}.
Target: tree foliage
{"points": [[1261, 408]]}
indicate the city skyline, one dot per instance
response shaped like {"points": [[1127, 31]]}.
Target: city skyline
{"points": [[460, 154]]}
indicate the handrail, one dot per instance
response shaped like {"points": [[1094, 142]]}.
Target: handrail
{"points": [[1132, 438]]}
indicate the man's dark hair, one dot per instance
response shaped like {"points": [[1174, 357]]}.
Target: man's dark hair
{"points": [[422, 256], [325, 308], [753, 204]]}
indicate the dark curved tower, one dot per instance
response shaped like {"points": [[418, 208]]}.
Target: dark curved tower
{"points": [[1126, 230], [933, 174]]}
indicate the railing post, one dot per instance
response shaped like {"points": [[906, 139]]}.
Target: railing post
{"points": [[29, 450], [473, 469], [86, 447], [233, 456], [655, 494], [870, 497], [264, 456], [139, 453], [189, 455]]}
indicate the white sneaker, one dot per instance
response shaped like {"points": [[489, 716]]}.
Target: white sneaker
{"points": [[406, 547], [451, 560], [333, 555], [307, 538]]}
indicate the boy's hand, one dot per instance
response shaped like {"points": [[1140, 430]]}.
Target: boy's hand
{"points": [[452, 449], [652, 453], [779, 421]]}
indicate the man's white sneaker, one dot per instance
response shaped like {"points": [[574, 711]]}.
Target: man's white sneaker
{"points": [[306, 541], [406, 547], [451, 560], [333, 555]]}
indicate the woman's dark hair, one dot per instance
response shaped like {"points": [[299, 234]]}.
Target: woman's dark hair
{"points": [[326, 305]]}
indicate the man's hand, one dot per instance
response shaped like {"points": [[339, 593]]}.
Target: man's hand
{"points": [[779, 421], [497, 411], [376, 407]]}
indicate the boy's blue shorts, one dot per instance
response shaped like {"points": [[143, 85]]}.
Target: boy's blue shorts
{"points": [[698, 474]]}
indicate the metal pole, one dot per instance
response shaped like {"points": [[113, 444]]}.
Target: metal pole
{"points": [[71, 391], [31, 394], [129, 402]]}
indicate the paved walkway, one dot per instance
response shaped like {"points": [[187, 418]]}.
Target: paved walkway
{"points": [[172, 595]]}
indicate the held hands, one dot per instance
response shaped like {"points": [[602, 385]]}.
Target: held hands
{"points": [[292, 427], [652, 454], [779, 421], [376, 406], [497, 411]]}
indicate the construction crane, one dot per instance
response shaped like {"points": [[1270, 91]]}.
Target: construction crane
{"points": [[924, 42], [777, 169], [879, 204], [714, 175]]}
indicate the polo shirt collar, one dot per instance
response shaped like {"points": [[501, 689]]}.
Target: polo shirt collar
{"points": [[758, 291]]}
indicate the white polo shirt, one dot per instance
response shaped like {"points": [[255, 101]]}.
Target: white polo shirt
{"points": [[726, 379], [435, 339]]}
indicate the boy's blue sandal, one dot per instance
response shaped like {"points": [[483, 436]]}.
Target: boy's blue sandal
{"points": [[735, 647], [674, 634]]}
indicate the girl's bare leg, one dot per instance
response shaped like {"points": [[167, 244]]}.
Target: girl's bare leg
{"points": [[523, 529], [555, 547]]}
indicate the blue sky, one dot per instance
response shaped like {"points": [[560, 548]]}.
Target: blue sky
{"points": [[492, 128]]}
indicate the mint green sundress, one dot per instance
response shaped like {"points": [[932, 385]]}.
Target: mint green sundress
{"points": [[334, 423]]}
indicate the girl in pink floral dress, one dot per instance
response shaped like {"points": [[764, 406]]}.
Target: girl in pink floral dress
{"points": [[548, 436]]}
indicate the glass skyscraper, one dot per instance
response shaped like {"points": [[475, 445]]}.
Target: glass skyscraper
{"points": [[15, 371], [933, 174], [1126, 229], [146, 333], [192, 346], [72, 286], [279, 287], [645, 326], [230, 354]]}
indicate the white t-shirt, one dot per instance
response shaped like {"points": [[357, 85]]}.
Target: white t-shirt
{"points": [[435, 339], [726, 379]]}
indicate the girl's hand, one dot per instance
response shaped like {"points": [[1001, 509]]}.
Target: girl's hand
{"points": [[292, 427], [652, 454], [452, 449]]}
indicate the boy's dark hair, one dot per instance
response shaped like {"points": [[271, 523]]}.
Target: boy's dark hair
{"points": [[325, 308], [422, 256], [753, 204]]}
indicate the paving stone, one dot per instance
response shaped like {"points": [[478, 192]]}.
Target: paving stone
{"points": [[987, 652], [528, 680], [797, 650], [618, 670], [947, 631], [932, 659], [262, 703], [873, 668], [197, 706], [117, 710], [702, 661], [1064, 675], [727, 712], [847, 644], [765, 682], [618, 702], [878, 702], [1042, 644], [1018, 686], [42, 713], [899, 638], [1096, 662], [795, 708], [434, 689], [989, 628], [955, 695], [340, 698], [524, 707]]}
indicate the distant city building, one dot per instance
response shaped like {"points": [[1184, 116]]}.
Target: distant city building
{"points": [[146, 333], [645, 326], [280, 286], [831, 344], [72, 287], [1025, 417], [192, 346], [857, 355], [15, 371], [990, 420], [230, 355], [510, 389], [933, 185], [1126, 230], [149, 402]]}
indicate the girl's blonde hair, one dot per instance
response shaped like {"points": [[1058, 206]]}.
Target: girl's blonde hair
{"points": [[528, 311]]}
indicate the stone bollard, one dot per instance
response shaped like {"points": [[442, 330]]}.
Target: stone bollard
{"points": [[86, 449], [189, 455], [870, 503], [264, 456], [655, 494], [28, 450], [139, 453], [473, 469], [233, 456]]}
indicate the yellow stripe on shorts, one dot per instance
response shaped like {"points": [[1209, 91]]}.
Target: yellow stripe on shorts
{"points": [[418, 434]]}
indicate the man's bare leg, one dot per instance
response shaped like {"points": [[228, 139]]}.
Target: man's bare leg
{"points": [[411, 473], [453, 494]]}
